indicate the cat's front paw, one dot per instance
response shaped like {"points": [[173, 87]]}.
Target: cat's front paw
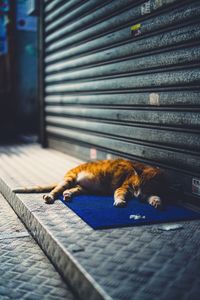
{"points": [[119, 202], [49, 199], [67, 195], [155, 201]]}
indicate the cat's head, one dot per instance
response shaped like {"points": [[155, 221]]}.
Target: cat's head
{"points": [[146, 182]]}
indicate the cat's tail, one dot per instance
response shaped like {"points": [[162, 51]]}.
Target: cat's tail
{"points": [[35, 188]]}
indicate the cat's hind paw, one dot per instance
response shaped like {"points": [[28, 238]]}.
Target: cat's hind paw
{"points": [[48, 199], [67, 195], [119, 202], [155, 201]]}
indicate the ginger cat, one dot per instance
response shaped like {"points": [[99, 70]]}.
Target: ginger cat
{"points": [[119, 177]]}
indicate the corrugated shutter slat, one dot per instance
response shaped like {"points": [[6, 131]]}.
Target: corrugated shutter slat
{"points": [[123, 76]]}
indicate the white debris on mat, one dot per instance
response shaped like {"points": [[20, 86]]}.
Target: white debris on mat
{"points": [[168, 227], [136, 217]]}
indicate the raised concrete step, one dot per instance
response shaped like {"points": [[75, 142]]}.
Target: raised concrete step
{"points": [[127, 263]]}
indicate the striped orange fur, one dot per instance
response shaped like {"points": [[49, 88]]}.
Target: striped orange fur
{"points": [[119, 177]]}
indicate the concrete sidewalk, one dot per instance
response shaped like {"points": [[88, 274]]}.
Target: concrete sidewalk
{"points": [[125, 264]]}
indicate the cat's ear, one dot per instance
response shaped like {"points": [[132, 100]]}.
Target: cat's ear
{"points": [[150, 173]]}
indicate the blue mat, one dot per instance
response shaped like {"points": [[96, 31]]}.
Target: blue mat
{"points": [[99, 212]]}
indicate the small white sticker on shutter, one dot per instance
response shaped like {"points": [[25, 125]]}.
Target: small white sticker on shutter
{"points": [[196, 186]]}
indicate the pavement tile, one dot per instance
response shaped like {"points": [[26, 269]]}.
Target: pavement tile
{"points": [[22, 264]]}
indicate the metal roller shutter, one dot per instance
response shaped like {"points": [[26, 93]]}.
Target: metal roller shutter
{"points": [[123, 77]]}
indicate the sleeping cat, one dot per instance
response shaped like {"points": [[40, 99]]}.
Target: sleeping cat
{"points": [[119, 177]]}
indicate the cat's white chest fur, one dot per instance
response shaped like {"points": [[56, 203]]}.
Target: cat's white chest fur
{"points": [[88, 181]]}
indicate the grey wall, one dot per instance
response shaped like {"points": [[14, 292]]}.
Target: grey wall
{"points": [[26, 80]]}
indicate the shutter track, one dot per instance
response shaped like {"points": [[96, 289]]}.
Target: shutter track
{"points": [[134, 92]]}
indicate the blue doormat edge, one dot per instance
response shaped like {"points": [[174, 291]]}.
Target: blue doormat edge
{"points": [[99, 212]]}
